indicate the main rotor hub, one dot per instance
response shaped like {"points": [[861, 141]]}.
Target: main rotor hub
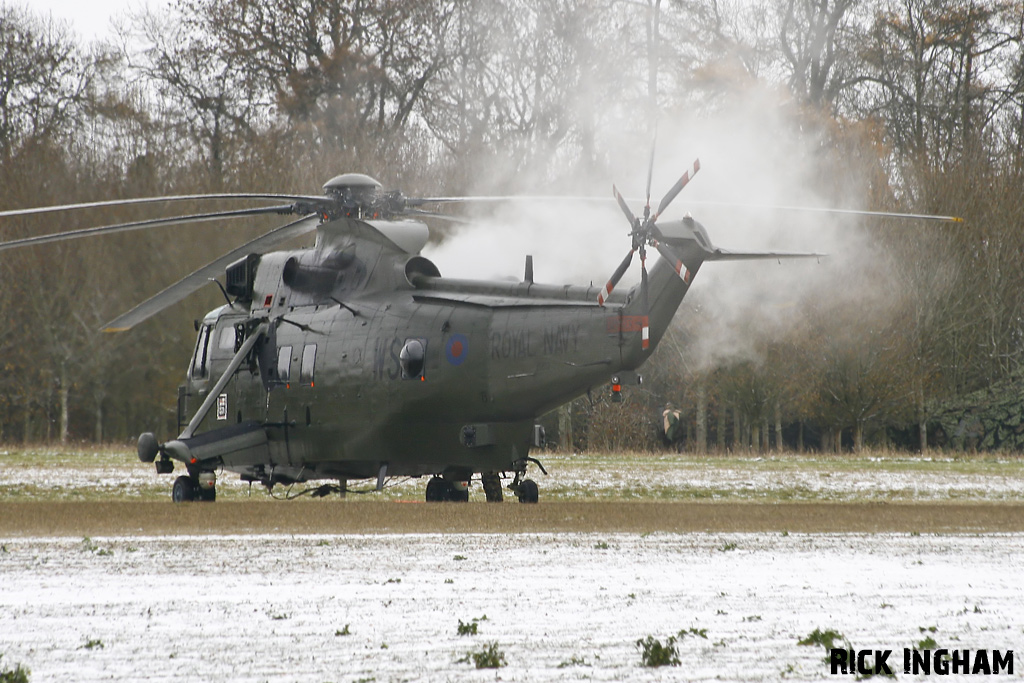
{"points": [[354, 190]]}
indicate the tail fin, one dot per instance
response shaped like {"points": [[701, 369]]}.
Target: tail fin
{"points": [[668, 283], [684, 246]]}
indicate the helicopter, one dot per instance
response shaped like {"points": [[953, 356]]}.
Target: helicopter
{"points": [[354, 359]]}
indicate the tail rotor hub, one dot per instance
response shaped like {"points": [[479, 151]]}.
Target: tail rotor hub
{"points": [[644, 232]]}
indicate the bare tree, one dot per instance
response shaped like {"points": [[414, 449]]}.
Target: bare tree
{"points": [[44, 79], [928, 64], [203, 91], [816, 44]]}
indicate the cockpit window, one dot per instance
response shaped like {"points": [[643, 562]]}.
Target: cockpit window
{"points": [[200, 360]]}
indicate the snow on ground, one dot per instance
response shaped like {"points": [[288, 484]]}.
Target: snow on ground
{"points": [[790, 478], [561, 607], [666, 476]]}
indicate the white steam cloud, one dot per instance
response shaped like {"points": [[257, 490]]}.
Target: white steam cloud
{"points": [[750, 156]]}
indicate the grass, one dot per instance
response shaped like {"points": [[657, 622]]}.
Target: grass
{"points": [[86, 473], [573, 661], [654, 653], [18, 674], [828, 639], [489, 656]]}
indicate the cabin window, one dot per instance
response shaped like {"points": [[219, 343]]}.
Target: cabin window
{"points": [[227, 338], [284, 363], [200, 360], [308, 362]]}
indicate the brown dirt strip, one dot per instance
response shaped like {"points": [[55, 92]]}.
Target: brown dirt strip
{"points": [[128, 518]]}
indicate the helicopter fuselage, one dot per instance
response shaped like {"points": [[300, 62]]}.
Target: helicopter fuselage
{"points": [[355, 359], [385, 367]]}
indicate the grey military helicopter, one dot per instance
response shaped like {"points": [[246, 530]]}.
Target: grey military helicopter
{"points": [[354, 359]]}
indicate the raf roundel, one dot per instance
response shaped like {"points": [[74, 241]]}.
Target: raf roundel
{"points": [[456, 349]]}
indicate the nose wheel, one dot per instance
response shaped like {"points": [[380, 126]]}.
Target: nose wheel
{"points": [[184, 490], [527, 491]]}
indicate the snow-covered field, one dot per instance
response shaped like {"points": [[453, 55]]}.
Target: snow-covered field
{"points": [[111, 474], [559, 606], [787, 477]]}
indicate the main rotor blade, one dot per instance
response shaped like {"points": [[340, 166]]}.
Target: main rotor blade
{"points": [[768, 207], [140, 225], [726, 255], [201, 277], [155, 200], [616, 276], [439, 216], [822, 209], [495, 199], [677, 188]]}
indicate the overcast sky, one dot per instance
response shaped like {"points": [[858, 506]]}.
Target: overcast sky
{"points": [[89, 18]]}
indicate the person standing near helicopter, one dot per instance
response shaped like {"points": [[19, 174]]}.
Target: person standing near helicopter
{"points": [[672, 426]]}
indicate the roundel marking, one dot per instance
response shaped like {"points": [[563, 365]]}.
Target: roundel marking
{"points": [[456, 349]]}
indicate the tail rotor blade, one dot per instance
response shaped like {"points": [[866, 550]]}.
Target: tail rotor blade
{"points": [[616, 276], [624, 207], [681, 270], [677, 188], [650, 176]]}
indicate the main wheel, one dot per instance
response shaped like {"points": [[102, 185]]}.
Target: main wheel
{"points": [[528, 492], [437, 490], [184, 490], [206, 495]]}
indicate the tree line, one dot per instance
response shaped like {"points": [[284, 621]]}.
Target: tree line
{"points": [[899, 105]]}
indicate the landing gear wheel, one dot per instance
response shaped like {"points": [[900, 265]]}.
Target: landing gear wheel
{"points": [[492, 487], [440, 490], [206, 495], [527, 491], [437, 490], [458, 492], [184, 490]]}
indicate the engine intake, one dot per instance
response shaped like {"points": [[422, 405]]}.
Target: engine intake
{"points": [[241, 275], [316, 274]]}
